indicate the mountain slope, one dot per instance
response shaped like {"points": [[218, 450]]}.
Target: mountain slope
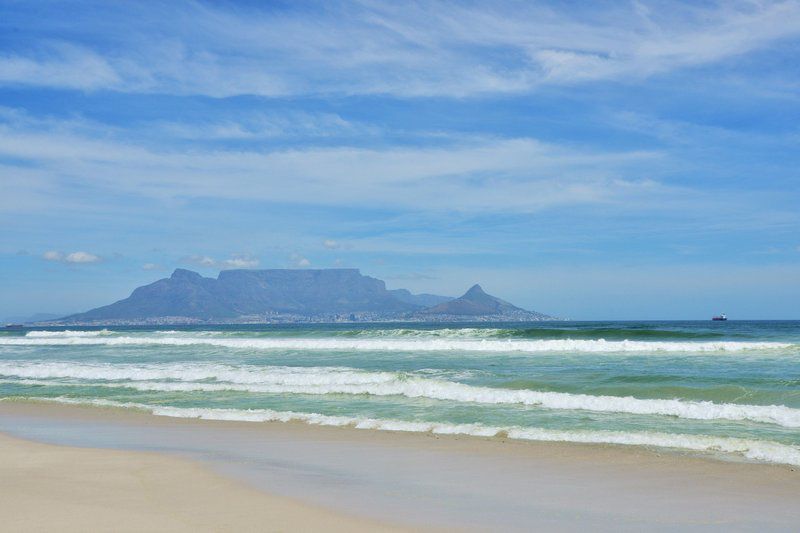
{"points": [[292, 295], [422, 300], [250, 292], [475, 302], [184, 294], [336, 290]]}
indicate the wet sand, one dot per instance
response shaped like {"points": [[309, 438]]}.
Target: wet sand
{"points": [[227, 471], [60, 488]]}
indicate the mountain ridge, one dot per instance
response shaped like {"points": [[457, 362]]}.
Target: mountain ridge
{"points": [[287, 295]]}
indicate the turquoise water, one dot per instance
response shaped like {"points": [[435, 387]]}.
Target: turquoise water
{"points": [[730, 389]]}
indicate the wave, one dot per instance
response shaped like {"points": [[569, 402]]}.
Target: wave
{"points": [[754, 450], [339, 380], [403, 345], [630, 333], [618, 333], [67, 334]]}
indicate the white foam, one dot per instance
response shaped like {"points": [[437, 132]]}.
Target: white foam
{"points": [[402, 345], [340, 380], [754, 450], [67, 334]]}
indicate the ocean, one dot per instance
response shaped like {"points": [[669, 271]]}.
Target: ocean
{"points": [[726, 389]]}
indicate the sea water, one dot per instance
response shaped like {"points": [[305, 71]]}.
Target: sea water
{"points": [[729, 389]]}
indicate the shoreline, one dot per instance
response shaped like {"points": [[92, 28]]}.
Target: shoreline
{"points": [[45, 487], [366, 473]]}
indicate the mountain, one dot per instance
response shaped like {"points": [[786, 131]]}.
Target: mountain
{"points": [[291, 295], [423, 300], [306, 292], [236, 293], [184, 294], [476, 303]]}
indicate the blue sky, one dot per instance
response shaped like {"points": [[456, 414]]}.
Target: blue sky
{"points": [[605, 160]]}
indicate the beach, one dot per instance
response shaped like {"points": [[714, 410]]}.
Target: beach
{"points": [[58, 488], [550, 426], [101, 468]]}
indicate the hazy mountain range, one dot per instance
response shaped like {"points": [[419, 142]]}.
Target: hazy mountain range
{"points": [[282, 295]]}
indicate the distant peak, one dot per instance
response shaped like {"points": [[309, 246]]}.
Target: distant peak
{"points": [[182, 273], [475, 290]]}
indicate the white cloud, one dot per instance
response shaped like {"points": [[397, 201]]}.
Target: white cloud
{"points": [[298, 261], [330, 244], [236, 261], [201, 260], [152, 266], [424, 49], [81, 257], [72, 257], [469, 174], [63, 65], [254, 126], [241, 262]]}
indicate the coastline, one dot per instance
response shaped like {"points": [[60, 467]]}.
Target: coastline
{"points": [[300, 471], [45, 487]]}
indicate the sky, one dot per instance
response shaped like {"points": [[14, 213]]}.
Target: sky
{"points": [[589, 160]]}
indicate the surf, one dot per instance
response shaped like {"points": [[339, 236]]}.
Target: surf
{"points": [[403, 345], [345, 381], [753, 450]]}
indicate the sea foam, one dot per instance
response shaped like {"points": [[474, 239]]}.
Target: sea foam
{"points": [[67, 334], [754, 450], [342, 380], [395, 345]]}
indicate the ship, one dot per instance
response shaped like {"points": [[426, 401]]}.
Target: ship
{"points": [[721, 317]]}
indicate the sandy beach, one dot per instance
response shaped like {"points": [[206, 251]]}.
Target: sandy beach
{"points": [[214, 475], [59, 488]]}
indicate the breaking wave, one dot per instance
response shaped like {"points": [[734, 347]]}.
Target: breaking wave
{"points": [[68, 334], [618, 333], [340, 380], [754, 450], [395, 344]]}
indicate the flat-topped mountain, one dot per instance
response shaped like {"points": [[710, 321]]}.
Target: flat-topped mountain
{"points": [[291, 295], [475, 302]]}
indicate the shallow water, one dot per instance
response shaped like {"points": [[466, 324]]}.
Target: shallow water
{"points": [[730, 388]]}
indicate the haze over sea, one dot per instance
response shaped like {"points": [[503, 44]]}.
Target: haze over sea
{"points": [[726, 389]]}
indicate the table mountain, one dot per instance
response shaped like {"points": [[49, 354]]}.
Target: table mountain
{"points": [[236, 293], [291, 295]]}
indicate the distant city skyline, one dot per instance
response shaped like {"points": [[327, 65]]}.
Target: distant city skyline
{"points": [[629, 160]]}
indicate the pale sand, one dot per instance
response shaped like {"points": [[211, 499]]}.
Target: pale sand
{"points": [[417, 480], [60, 488]]}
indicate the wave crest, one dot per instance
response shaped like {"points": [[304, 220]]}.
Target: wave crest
{"points": [[67, 334], [401, 345], [341, 380], [754, 450]]}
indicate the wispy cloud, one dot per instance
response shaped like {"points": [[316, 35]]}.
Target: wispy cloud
{"points": [[60, 65], [483, 174], [236, 261], [427, 49], [71, 257], [255, 126]]}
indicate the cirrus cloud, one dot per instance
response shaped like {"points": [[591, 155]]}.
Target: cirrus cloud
{"points": [[425, 49]]}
